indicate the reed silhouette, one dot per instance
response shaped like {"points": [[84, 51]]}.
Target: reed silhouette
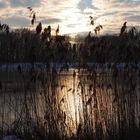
{"points": [[39, 28], [91, 20], [5, 28], [23, 46], [51, 74], [57, 30], [32, 15], [123, 29], [97, 29]]}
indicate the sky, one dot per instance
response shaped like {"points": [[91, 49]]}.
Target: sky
{"points": [[72, 15]]}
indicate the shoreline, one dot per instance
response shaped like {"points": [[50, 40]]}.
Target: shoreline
{"points": [[28, 66]]}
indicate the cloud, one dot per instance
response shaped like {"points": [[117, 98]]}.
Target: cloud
{"points": [[133, 19], [50, 21], [3, 4], [83, 4], [72, 15], [17, 21], [115, 4], [24, 3]]}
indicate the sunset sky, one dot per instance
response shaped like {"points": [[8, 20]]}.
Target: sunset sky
{"points": [[72, 15]]}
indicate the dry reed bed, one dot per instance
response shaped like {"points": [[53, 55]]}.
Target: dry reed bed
{"points": [[71, 104]]}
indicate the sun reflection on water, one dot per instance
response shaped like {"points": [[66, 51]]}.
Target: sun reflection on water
{"points": [[70, 101]]}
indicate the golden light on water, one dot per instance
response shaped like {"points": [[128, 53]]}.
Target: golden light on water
{"points": [[71, 102]]}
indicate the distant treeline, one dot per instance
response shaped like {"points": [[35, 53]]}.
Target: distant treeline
{"points": [[26, 46]]}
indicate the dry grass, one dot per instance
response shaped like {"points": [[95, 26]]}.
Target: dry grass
{"points": [[84, 103], [110, 104], [27, 46]]}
